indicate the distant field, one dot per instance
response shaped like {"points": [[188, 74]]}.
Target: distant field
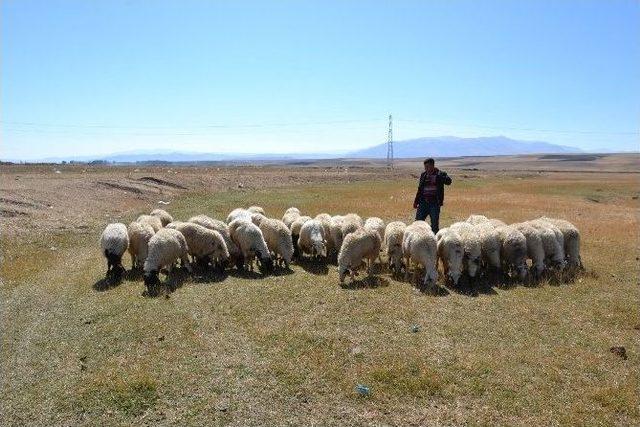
{"points": [[291, 348]]}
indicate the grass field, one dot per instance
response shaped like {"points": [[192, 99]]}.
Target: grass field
{"points": [[291, 348]]}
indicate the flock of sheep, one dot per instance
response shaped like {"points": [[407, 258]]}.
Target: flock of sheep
{"points": [[477, 247]]}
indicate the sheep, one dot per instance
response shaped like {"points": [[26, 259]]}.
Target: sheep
{"points": [[239, 213], [292, 209], [290, 215], [325, 221], [295, 227], [312, 240], [257, 218], [472, 247], [256, 209], [350, 223], [495, 223], [173, 224], [450, 253], [152, 220], [356, 247], [165, 248], [377, 224], [251, 242], [164, 216], [552, 243], [139, 235], [535, 248], [221, 227], [490, 246], [393, 235], [419, 246], [571, 236], [278, 238], [204, 244], [477, 219], [513, 252], [114, 242], [335, 232]]}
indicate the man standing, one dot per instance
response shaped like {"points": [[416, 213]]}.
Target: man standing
{"points": [[430, 195]]}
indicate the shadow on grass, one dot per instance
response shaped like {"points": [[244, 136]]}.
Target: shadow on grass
{"points": [[246, 274], [434, 290], [369, 282], [174, 281], [313, 266], [282, 271], [110, 281]]}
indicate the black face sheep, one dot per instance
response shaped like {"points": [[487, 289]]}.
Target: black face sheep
{"points": [[419, 247], [114, 242], [356, 247], [165, 248], [251, 242], [139, 235], [164, 216]]}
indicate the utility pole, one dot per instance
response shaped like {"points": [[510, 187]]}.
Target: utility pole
{"points": [[390, 143]]}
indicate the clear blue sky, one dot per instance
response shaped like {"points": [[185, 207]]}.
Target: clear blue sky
{"points": [[95, 77]]}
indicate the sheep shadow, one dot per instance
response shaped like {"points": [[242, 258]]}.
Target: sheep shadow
{"points": [[172, 282], [246, 274], [472, 287], [209, 275], [282, 271], [434, 290], [369, 282], [310, 265], [110, 281]]}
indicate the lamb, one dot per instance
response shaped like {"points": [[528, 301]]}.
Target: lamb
{"points": [[152, 220], [165, 248], [535, 249], [251, 242], [256, 210], [164, 216], [312, 240], [238, 213], [139, 235], [571, 236], [377, 224], [290, 215], [552, 243], [472, 247], [278, 238], [356, 247], [295, 232], [451, 253], [490, 245], [222, 228], [393, 236], [204, 244], [513, 253], [419, 246], [114, 242]]}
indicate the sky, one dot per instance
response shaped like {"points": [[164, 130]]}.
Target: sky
{"points": [[98, 77]]}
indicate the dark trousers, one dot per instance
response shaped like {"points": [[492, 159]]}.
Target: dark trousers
{"points": [[431, 210]]}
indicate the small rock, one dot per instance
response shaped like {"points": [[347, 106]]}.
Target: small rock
{"points": [[222, 406], [363, 390], [637, 327], [161, 338], [240, 185], [87, 322], [53, 248], [356, 351], [619, 351], [415, 328]]}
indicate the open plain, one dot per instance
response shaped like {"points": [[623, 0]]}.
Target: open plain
{"points": [[291, 347]]}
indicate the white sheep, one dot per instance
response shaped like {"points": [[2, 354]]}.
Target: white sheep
{"points": [[335, 232], [238, 213], [256, 210], [356, 247], [165, 248], [513, 253], [221, 227], [257, 218], [325, 221], [350, 223], [552, 242], [139, 235], [472, 247], [450, 253], [393, 235], [419, 247], [571, 236], [377, 224], [278, 239], [490, 245], [164, 216], [312, 240], [535, 248], [477, 219], [204, 244], [152, 220], [251, 242], [114, 242], [290, 215], [296, 225]]}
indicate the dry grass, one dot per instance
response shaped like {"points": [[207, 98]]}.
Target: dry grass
{"points": [[291, 348]]}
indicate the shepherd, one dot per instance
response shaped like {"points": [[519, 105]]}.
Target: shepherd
{"points": [[430, 194]]}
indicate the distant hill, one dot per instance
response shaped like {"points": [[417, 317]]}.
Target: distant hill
{"points": [[452, 146]]}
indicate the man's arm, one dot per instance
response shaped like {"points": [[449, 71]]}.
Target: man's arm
{"points": [[416, 200], [446, 179]]}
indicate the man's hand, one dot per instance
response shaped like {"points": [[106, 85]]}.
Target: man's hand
{"points": [[415, 206]]}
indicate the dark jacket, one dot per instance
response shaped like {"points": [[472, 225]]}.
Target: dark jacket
{"points": [[442, 179]]}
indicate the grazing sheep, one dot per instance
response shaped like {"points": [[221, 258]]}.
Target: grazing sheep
{"points": [[165, 248], [325, 221], [257, 218], [535, 248], [350, 223], [204, 244], [571, 236], [451, 253], [206, 221], [513, 253], [358, 246], [393, 235], [311, 240], [173, 224], [495, 223], [335, 231], [477, 219], [290, 215], [491, 246], [296, 225], [164, 216], [235, 255], [552, 243], [153, 221], [139, 236], [472, 247], [256, 210], [278, 238], [238, 213], [251, 242], [114, 242], [377, 224], [419, 246]]}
